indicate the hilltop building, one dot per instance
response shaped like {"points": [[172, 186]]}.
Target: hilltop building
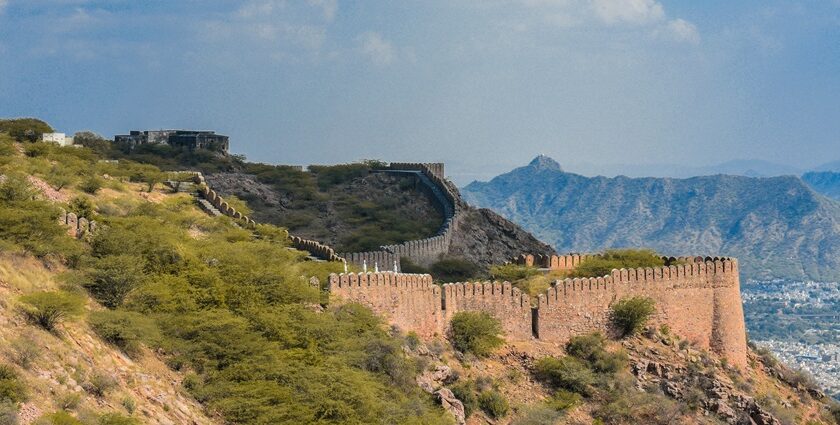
{"points": [[60, 138], [189, 139]]}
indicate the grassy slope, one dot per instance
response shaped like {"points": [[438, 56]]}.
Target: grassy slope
{"points": [[238, 317]]}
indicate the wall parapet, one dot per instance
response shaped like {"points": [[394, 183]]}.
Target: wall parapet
{"points": [[697, 297], [78, 226]]}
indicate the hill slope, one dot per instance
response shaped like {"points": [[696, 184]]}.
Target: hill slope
{"points": [[777, 227], [825, 182]]}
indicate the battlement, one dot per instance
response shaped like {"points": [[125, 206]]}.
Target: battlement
{"points": [[77, 226], [697, 297]]}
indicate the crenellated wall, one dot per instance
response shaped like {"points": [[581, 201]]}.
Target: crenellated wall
{"points": [[504, 302], [700, 301], [697, 299], [78, 227]]}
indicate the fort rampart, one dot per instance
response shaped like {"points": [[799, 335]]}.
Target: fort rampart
{"points": [[697, 299], [444, 196], [77, 226]]}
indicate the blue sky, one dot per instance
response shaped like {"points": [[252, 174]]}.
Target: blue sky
{"points": [[484, 85]]}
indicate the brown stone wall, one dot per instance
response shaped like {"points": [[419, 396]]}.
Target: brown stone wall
{"points": [[409, 301], [698, 301], [504, 302]]}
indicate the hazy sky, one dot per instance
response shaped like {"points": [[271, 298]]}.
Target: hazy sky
{"points": [[481, 84]]}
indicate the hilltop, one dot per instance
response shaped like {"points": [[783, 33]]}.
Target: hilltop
{"points": [[169, 312], [777, 227]]}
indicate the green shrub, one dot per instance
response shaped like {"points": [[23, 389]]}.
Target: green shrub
{"points": [[127, 330], [465, 392], [11, 388], [454, 270], [538, 415], [15, 188], [565, 372], [629, 315], [563, 400], [25, 350], [590, 348], [25, 129], [512, 272], [129, 404], [493, 403], [99, 384], [408, 266], [82, 206], [91, 185], [602, 265], [48, 309], [58, 418], [116, 419], [475, 332], [112, 278], [69, 401], [8, 413]]}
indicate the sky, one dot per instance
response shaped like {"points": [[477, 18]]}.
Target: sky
{"points": [[483, 85]]}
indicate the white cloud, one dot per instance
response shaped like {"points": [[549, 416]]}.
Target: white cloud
{"points": [[637, 12], [684, 31], [329, 7], [376, 48]]}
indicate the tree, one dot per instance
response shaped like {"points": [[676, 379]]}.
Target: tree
{"points": [[475, 332], [111, 278], [48, 309], [25, 129], [630, 315]]}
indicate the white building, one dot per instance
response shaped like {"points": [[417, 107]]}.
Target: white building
{"points": [[59, 138]]}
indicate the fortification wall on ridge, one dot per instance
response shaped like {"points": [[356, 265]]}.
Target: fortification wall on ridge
{"points": [[698, 300], [383, 260], [409, 301], [500, 299]]}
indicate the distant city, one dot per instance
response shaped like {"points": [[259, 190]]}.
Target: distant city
{"points": [[798, 322]]}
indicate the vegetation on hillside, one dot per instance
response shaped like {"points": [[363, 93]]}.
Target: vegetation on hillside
{"points": [[603, 264], [232, 308], [475, 332], [24, 129]]}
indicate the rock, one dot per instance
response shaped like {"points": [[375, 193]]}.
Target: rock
{"points": [[452, 405], [430, 380]]}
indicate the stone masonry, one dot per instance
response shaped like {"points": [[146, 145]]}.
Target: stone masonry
{"points": [[699, 300]]}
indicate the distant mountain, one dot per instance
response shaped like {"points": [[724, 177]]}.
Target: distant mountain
{"points": [[777, 227], [829, 166], [825, 182], [737, 167]]}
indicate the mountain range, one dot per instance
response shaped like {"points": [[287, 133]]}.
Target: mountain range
{"points": [[779, 227]]}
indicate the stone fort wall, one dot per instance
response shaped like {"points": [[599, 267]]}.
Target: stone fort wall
{"points": [[699, 301], [445, 198]]}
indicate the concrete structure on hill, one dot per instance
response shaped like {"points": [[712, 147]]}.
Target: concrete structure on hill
{"points": [[697, 298], [189, 139], [60, 138]]}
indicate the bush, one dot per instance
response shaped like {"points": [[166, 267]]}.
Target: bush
{"points": [[100, 384], [563, 400], [602, 265], [116, 419], [58, 418], [25, 129], [25, 350], [565, 372], [493, 403], [91, 185], [16, 189], [475, 332], [454, 270], [48, 309], [538, 415], [590, 348], [127, 330], [629, 315], [11, 389], [112, 278], [82, 206], [69, 401], [512, 272], [8, 413], [465, 391]]}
